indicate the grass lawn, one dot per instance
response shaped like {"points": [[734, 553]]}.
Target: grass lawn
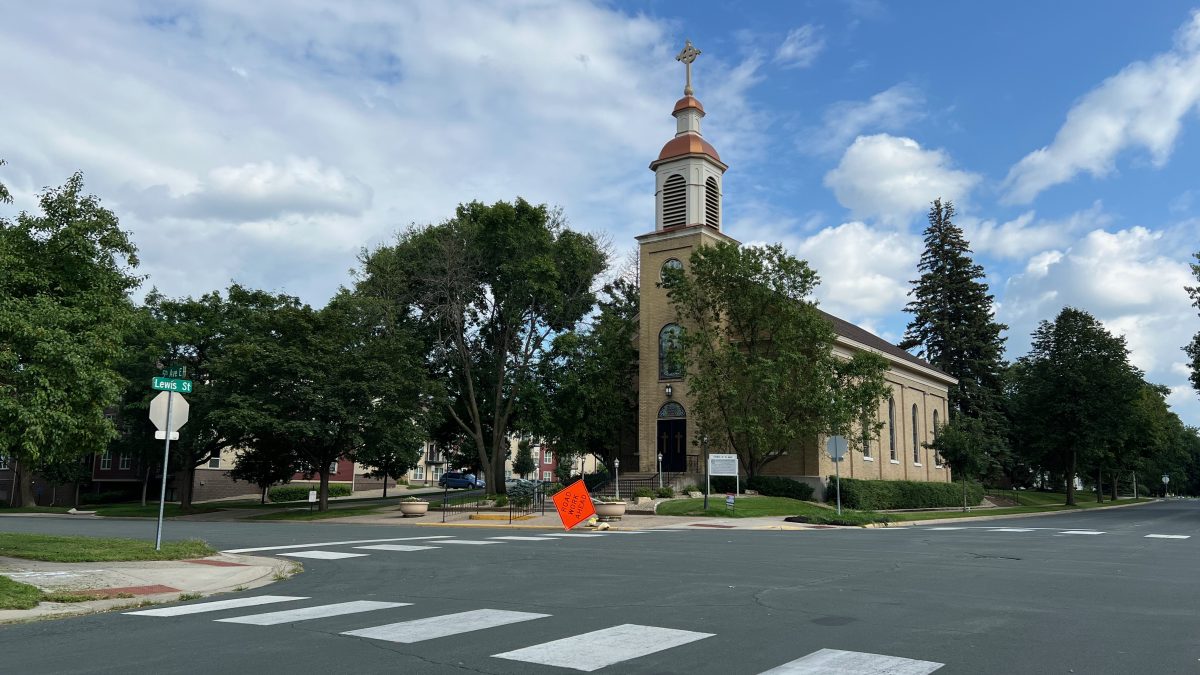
{"points": [[35, 509], [303, 514], [752, 507], [136, 510], [1051, 507], [16, 595], [96, 549]]}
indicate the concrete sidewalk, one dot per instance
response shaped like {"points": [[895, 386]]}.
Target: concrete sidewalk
{"points": [[126, 584]]}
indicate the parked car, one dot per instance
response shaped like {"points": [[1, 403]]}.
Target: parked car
{"points": [[455, 479]]}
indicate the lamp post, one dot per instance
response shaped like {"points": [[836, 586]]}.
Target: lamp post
{"points": [[704, 446], [660, 470], [617, 475]]}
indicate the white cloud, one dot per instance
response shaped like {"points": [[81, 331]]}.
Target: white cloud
{"points": [[864, 270], [893, 178], [1142, 106], [1026, 235], [266, 142], [889, 110], [801, 47]]}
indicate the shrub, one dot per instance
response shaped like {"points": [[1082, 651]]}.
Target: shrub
{"points": [[295, 493], [778, 486], [722, 483], [866, 495], [691, 488], [553, 488], [665, 492], [859, 518], [644, 492], [500, 500], [111, 497]]}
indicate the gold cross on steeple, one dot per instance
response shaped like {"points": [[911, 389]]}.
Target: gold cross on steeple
{"points": [[686, 56]]}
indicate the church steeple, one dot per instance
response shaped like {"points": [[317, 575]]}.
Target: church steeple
{"points": [[688, 170]]}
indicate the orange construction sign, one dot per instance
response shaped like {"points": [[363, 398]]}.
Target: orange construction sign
{"points": [[574, 504]]}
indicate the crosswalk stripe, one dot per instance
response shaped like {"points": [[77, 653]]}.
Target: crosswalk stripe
{"points": [[517, 538], [216, 605], [827, 661], [470, 542], [600, 648], [945, 528], [572, 534], [1011, 529], [1168, 536], [318, 612], [1081, 532], [333, 543], [420, 630], [396, 547], [324, 555]]}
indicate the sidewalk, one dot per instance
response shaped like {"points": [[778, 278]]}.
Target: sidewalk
{"points": [[125, 584]]}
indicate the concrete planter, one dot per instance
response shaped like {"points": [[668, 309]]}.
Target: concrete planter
{"points": [[610, 510], [414, 509]]}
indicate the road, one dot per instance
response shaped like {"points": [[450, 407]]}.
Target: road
{"points": [[1085, 592]]}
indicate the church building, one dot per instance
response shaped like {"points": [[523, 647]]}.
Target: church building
{"points": [[688, 209]]}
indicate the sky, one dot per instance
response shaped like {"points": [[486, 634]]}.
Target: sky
{"points": [[268, 143]]}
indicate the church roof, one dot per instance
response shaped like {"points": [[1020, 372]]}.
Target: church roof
{"points": [[688, 102], [865, 337], [687, 143]]}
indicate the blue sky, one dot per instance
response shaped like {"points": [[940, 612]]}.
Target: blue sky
{"points": [[267, 142]]}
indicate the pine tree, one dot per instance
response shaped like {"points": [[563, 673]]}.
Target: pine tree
{"points": [[953, 324]]}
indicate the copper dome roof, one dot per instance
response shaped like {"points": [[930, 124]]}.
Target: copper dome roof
{"points": [[687, 143], [688, 102]]}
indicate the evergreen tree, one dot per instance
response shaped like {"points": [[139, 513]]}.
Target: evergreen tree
{"points": [[523, 465], [953, 324]]}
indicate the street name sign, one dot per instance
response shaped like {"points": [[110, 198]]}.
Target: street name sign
{"points": [[574, 504], [723, 465], [179, 372], [171, 384], [178, 412]]}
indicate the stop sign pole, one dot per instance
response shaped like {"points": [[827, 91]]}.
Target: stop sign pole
{"points": [[162, 494], [168, 386]]}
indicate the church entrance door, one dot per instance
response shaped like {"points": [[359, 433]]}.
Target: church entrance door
{"points": [[672, 444]]}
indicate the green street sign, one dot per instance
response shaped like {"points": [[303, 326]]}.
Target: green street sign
{"points": [[171, 384], [177, 372]]}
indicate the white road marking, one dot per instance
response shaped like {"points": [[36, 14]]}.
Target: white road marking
{"points": [[516, 538], [332, 543], [572, 534], [600, 648], [838, 662], [1081, 532], [396, 547], [1168, 536], [216, 605], [420, 630], [942, 528], [318, 612], [324, 555], [1006, 529], [469, 542]]}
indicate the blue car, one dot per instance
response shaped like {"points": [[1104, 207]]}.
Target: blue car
{"points": [[454, 479]]}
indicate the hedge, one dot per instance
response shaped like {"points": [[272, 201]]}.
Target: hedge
{"points": [[295, 493], [872, 495], [768, 486]]}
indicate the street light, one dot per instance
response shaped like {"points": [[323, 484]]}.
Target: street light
{"points": [[617, 475], [660, 470]]}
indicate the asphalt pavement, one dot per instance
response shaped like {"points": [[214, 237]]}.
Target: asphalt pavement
{"points": [[1110, 591]]}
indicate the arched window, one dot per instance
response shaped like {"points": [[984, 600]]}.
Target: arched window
{"points": [[668, 345], [712, 203], [916, 441], [674, 201], [892, 427], [671, 410], [669, 264], [937, 458]]}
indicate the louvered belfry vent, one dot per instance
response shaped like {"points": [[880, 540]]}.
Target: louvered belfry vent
{"points": [[712, 203], [674, 200]]}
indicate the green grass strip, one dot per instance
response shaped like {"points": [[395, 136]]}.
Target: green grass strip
{"points": [[95, 549]]}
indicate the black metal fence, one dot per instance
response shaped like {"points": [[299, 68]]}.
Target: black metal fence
{"points": [[521, 505], [461, 501]]}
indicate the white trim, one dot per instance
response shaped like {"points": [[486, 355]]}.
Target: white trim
{"points": [[917, 464], [868, 458], [893, 461]]}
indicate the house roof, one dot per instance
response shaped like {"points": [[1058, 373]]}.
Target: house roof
{"points": [[865, 337]]}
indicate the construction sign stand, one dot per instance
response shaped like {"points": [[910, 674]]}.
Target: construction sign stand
{"points": [[574, 504]]}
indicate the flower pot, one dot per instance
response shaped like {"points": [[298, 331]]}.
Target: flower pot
{"points": [[610, 510], [414, 509]]}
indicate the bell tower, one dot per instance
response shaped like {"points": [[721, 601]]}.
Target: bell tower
{"points": [[688, 175]]}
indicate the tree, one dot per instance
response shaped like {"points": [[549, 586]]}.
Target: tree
{"points": [[758, 355], [963, 444], [1193, 349], [1071, 394], [953, 324], [523, 465], [391, 447], [591, 382], [65, 277], [263, 466], [491, 287]]}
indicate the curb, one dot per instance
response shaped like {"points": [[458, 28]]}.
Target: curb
{"points": [[968, 519]]}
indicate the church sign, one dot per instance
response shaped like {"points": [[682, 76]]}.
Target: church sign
{"points": [[722, 465]]}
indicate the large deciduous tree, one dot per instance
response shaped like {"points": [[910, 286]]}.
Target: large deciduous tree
{"points": [[492, 286], [1072, 394], [65, 279], [953, 323], [758, 356], [1193, 348]]}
